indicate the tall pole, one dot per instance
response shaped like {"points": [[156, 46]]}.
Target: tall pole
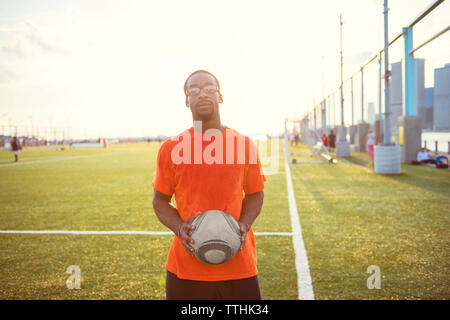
{"points": [[334, 110], [323, 92], [362, 95], [380, 116], [329, 110], [343, 133], [387, 73], [353, 108]]}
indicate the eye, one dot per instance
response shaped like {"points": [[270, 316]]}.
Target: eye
{"points": [[210, 89], [193, 91]]}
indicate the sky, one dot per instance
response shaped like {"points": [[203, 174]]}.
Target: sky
{"points": [[117, 68]]}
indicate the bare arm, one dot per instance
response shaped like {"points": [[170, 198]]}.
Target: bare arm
{"points": [[251, 207], [169, 216]]}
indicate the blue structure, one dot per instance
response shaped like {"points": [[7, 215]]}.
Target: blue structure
{"points": [[410, 74]]}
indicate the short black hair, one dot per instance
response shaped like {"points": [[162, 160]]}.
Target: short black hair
{"points": [[198, 71]]}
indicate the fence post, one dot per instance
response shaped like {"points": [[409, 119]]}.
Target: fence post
{"points": [[353, 109], [380, 77], [362, 95], [315, 119]]}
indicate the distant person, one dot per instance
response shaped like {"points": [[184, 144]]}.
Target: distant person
{"points": [[16, 147], [423, 157], [296, 138], [291, 138], [324, 140], [370, 141], [104, 143], [332, 141]]}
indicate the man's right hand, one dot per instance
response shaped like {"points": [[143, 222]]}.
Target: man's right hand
{"points": [[183, 234]]}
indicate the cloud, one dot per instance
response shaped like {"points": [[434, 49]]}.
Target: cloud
{"points": [[23, 40]]}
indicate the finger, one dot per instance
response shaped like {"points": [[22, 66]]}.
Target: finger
{"points": [[188, 248], [185, 234], [243, 236], [190, 252], [243, 227], [189, 221], [187, 225], [186, 238]]}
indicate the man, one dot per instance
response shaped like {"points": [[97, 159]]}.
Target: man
{"points": [[16, 147], [332, 141], [205, 173], [424, 157]]}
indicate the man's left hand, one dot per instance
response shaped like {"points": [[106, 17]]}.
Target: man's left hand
{"points": [[244, 229]]}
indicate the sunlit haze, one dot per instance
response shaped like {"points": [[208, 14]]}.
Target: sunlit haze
{"points": [[117, 68]]}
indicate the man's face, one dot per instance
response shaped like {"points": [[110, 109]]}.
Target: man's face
{"points": [[205, 104]]}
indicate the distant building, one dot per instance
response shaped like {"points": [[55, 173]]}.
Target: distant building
{"points": [[396, 97], [428, 121], [396, 92], [441, 99]]}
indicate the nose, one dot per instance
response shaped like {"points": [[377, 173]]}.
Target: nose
{"points": [[202, 93]]}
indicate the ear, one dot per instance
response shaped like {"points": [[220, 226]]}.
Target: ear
{"points": [[187, 102], [220, 98]]}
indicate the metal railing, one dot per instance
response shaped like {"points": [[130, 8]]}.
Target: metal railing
{"points": [[324, 114]]}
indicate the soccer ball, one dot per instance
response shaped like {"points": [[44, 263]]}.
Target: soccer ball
{"points": [[217, 237]]}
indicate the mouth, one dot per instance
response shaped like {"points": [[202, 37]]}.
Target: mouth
{"points": [[204, 105]]}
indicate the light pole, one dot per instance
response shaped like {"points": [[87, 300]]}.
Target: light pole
{"points": [[342, 146], [387, 74], [387, 158], [343, 135]]}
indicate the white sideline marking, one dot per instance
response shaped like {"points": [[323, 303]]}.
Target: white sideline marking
{"points": [[65, 158], [155, 233], [270, 173], [274, 234], [304, 282], [152, 233]]}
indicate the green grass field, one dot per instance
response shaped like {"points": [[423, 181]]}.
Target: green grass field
{"points": [[350, 217]]}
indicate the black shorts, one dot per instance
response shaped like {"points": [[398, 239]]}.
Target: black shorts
{"points": [[240, 289]]}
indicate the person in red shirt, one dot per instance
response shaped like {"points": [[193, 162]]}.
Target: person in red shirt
{"points": [[324, 140], [208, 167]]}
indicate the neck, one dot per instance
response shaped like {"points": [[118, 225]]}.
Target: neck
{"points": [[210, 124]]}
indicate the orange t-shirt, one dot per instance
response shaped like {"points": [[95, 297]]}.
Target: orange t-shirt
{"points": [[209, 174]]}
